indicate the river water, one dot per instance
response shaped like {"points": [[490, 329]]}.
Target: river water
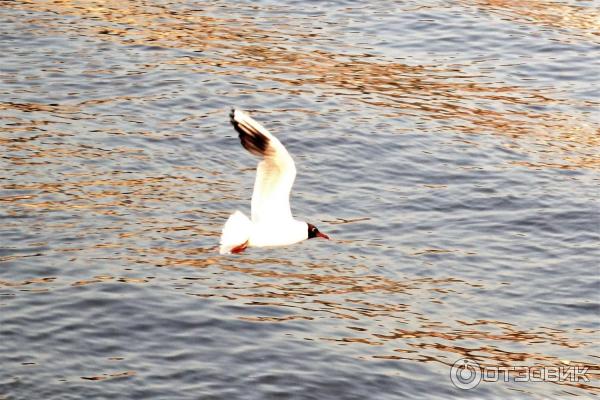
{"points": [[449, 148]]}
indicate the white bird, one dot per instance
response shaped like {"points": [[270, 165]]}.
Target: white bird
{"points": [[272, 222]]}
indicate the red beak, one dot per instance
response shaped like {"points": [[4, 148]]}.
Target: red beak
{"points": [[324, 236]]}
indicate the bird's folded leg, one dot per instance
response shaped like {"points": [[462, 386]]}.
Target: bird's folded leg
{"points": [[239, 248]]}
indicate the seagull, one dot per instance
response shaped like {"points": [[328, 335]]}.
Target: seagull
{"points": [[272, 223]]}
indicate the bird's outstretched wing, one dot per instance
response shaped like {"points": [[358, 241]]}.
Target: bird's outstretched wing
{"points": [[275, 174]]}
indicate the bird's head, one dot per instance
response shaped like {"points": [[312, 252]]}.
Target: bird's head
{"points": [[313, 232]]}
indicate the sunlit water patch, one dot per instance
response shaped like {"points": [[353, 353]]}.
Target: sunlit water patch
{"points": [[450, 149]]}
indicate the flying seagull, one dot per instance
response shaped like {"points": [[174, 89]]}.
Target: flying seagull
{"points": [[272, 222]]}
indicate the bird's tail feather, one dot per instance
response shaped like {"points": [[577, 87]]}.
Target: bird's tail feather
{"points": [[235, 232]]}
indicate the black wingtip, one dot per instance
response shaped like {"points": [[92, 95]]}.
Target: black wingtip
{"points": [[232, 119], [251, 138]]}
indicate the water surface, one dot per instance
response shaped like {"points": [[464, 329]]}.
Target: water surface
{"points": [[450, 148]]}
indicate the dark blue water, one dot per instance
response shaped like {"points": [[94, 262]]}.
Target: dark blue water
{"points": [[450, 149]]}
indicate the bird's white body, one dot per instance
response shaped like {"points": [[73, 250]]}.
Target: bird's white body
{"points": [[272, 223], [282, 234], [240, 230]]}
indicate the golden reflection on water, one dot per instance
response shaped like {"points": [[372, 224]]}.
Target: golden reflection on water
{"points": [[448, 93], [586, 20]]}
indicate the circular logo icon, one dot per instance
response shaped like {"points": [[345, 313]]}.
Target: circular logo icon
{"points": [[465, 374]]}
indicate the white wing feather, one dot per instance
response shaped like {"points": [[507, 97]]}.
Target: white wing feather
{"points": [[275, 174]]}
